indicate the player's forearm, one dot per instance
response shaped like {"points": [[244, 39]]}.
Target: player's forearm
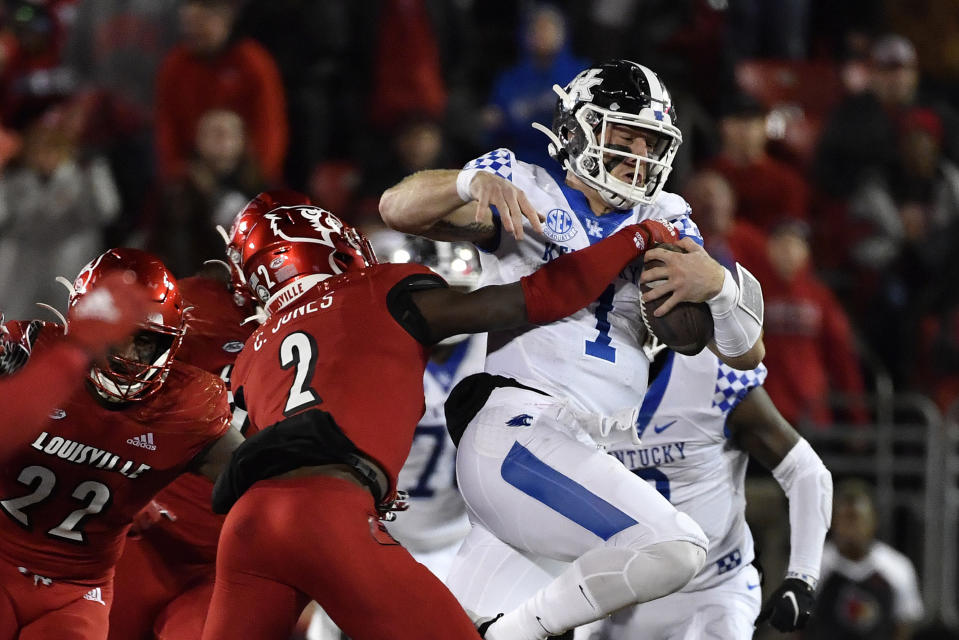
{"points": [[808, 486], [569, 283], [738, 319], [421, 200]]}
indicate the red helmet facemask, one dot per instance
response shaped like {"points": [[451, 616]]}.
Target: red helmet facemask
{"points": [[288, 249], [123, 377]]}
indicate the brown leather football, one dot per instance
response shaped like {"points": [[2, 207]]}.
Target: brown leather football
{"points": [[687, 329]]}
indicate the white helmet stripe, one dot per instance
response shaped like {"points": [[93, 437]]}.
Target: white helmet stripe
{"points": [[656, 89]]}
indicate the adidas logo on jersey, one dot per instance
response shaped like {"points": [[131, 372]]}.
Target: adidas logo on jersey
{"points": [[95, 594], [145, 441]]}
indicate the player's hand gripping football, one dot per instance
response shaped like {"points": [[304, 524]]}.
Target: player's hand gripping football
{"points": [[789, 607], [488, 189], [107, 314], [692, 276]]}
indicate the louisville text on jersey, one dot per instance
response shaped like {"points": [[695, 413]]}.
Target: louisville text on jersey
{"points": [[79, 453]]}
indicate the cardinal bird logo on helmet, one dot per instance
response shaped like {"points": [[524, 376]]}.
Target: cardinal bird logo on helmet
{"points": [[284, 245]]}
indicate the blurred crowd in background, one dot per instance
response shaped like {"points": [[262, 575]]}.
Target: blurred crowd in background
{"points": [[821, 144]]}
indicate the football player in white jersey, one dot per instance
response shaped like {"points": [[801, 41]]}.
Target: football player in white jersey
{"points": [[699, 423], [531, 463]]}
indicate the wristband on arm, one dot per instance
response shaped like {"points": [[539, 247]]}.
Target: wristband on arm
{"points": [[737, 313], [463, 181], [808, 486]]}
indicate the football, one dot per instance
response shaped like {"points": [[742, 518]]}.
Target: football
{"points": [[687, 329]]}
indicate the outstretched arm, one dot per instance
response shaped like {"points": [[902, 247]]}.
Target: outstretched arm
{"points": [[758, 428], [100, 319], [555, 291], [455, 205]]}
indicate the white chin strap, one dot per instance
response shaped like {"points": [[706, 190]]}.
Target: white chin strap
{"points": [[113, 391]]}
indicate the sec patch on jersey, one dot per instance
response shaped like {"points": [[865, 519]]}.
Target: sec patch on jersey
{"points": [[687, 328]]}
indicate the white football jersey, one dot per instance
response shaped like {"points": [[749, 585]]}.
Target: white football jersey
{"points": [[437, 515], [594, 356], [687, 456]]}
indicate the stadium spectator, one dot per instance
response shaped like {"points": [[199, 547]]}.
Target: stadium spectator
{"points": [[114, 49], [858, 140], [523, 93], [726, 237], [417, 144], [766, 189], [407, 69], [53, 209], [221, 176], [867, 588], [31, 77], [212, 70], [810, 347], [904, 248]]}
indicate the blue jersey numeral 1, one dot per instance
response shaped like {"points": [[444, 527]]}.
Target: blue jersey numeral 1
{"points": [[657, 477], [600, 348]]}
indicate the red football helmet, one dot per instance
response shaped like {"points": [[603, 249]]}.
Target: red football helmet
{"points": [[255, 209], [121, 378], [282, 246]]}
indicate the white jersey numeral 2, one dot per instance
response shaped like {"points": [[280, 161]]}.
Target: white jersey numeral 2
{"points": [[299, 350]]}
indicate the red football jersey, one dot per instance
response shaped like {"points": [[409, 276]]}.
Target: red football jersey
{"points": [[339, 349], [214, 338], [69, 496]]}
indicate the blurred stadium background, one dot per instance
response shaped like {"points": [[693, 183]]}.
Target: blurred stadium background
{"points": [[821, 142]]}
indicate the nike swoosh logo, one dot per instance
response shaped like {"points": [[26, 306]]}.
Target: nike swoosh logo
{"points": [[751, 586], [660, 429], [792, 596]]}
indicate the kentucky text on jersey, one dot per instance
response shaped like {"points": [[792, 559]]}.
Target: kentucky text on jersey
{"points": [[651, 456], [79, 453]]}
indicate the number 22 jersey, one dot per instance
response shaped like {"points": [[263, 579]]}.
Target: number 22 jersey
{"points": [[69, 491]]}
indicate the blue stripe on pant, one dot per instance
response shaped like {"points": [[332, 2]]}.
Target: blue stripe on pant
{"points": [[541, 482]]}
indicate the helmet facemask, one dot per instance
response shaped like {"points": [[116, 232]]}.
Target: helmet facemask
{"points": [[131, 372], [121, 378], [594, 165]]}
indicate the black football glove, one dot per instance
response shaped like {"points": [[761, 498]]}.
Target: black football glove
{"points": [[789, 607]]}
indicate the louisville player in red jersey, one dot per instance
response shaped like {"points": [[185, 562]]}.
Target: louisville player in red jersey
{"points": [[164, 578], [336, 374], [70, 491], [97, 322]]}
